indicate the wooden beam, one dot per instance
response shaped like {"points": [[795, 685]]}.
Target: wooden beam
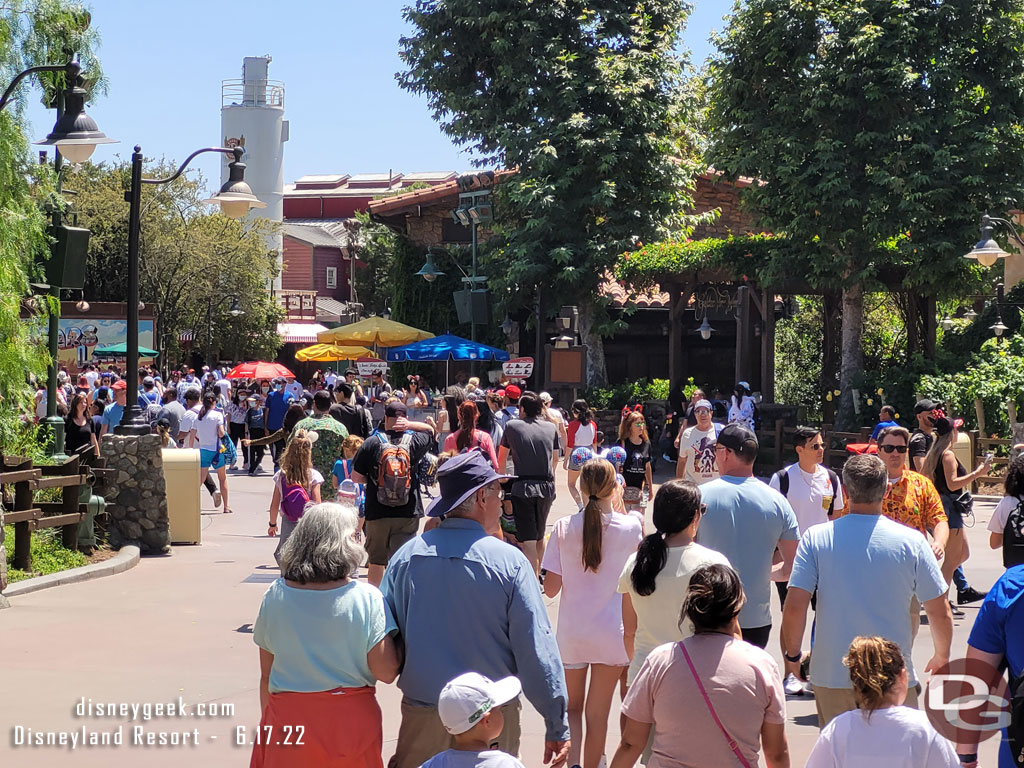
{"points": [[768, 347]]}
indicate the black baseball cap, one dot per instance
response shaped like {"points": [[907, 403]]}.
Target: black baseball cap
{"points": [[739, 439], [395, 408], [925, 405]]}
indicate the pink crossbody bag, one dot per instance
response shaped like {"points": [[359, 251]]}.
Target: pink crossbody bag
{"points": [[732, 742]]}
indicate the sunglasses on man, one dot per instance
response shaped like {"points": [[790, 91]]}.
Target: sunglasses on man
{"points": [[891, 448]]}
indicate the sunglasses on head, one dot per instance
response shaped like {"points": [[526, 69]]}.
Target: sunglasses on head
{"points": [[891, 448]]}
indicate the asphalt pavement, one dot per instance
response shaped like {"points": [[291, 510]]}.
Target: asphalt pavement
{"points": [[175, 631]]}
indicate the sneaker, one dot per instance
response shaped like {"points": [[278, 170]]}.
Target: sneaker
{"points": [[216, 498], [792, 686], [957, 613], [808, 688], [969, 595]]}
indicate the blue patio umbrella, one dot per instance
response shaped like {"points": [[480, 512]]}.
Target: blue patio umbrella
{"points": [[446, 347]]}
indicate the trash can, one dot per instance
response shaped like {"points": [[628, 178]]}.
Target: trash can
{"points": [[962, 450], [181, 478]]}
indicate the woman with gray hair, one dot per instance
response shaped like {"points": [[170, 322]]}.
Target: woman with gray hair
{"points": [[325, 641]]}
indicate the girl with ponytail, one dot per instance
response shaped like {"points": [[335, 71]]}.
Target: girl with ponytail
{"points": [[584, 557], [468, 436], [881, 730], [655, 579]]}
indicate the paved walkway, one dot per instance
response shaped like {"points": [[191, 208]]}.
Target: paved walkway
{"points": [[178, 627]]}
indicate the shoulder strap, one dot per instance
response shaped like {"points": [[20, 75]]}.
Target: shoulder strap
{"points": [[783, 477], [732, 742], [833, 478], [406, 442]]}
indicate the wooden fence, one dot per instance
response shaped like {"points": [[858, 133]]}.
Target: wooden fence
{"points": [[19, 480]]}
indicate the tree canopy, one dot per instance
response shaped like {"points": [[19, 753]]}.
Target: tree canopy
{"points": [[192, 261], [32, 33], [590, 104], [872, 121]]}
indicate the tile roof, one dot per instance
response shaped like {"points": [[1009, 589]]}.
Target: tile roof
{"points": [[622, 296]]}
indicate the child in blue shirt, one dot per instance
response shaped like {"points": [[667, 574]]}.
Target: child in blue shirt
{"points": [[341, 476]]}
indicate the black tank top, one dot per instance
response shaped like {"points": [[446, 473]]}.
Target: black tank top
{"points": [[939, 478]]}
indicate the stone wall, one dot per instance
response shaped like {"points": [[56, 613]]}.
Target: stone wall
{"points": [[136, 495]]}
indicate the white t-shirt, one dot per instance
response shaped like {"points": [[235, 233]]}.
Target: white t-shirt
{"points": [[295, 388], [188, 421], [331, 378], [1002, 512], [460, 758], [207, 430], [91, 376], [657, 614], [896, 737], [810, 495], [590, 609], [225, 388], [697, 451]]}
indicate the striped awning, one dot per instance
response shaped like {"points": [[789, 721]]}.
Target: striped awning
{"points": [[299, 333], [187, 336]]}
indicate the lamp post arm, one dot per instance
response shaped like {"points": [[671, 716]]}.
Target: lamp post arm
{"points": [[9, 93], [237, 151], [1010, 226]]}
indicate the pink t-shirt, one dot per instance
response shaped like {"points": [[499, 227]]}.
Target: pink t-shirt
{"points": [[590, 608], [742, 682], [480, 438]]}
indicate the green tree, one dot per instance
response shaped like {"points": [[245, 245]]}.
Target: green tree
{"points": [[32, 33], [192, 261], [873, 123], [589, 103]]}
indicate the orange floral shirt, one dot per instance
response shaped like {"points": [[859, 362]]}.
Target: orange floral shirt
{"points": [[914, 502]]}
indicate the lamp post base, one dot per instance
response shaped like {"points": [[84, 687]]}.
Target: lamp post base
{"points": [[55, 447], [132, 423]]}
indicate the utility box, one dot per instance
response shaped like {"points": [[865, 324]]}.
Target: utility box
{"points": [[962, 450], [181, 478]]}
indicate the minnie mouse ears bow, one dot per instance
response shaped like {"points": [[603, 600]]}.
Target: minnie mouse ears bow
{"points": [[638, 408]]}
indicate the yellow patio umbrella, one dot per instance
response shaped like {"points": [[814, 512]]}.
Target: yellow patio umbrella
{"points": [[376, 331], [329, 353]]}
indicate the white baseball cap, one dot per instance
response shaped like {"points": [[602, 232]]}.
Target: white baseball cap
{"points": [[470, 696]]}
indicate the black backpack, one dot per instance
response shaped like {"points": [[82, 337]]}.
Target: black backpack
{"points": [[1013, 537], [783, 477]]}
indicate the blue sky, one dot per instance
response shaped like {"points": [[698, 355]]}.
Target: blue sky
{"points": [[165, 63]]}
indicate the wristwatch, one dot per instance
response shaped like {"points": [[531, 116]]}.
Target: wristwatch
{"points": [[792, 659], [273, 525]]}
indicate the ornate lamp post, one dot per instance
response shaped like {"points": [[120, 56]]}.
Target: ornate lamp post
{"points": [[235, 199], [75, 136]]}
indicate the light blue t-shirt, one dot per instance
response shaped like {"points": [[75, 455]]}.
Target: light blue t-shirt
{"points": [[745, 520], [320, 637], [112, 416], [866, 569], [459, 758]]}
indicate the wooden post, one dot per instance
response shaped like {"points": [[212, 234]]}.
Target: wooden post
{"points": [[973, 435], [676, 333], [979, 410], [780, 425], [742, 334], [22, 531], [768, 346], [69, 498]]}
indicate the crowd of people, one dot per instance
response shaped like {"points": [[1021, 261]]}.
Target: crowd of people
{"points": [[674, 620]]}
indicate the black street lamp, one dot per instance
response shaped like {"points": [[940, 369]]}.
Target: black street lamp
{"points": [[235, 199], [75, 136]]}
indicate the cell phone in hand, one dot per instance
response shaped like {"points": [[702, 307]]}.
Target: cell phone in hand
{"points": [[989, 456]]}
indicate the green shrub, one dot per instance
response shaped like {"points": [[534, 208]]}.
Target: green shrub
{"points": [[640, 391], [48, 554]]}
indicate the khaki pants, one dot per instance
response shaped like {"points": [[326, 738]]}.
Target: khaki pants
{"points": [[421, 735], [832, 702]]}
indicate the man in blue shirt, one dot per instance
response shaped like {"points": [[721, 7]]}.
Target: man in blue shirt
{"points": [[464, 601], [745, 521], [113, 412], [275, 409], [886, 418], [998, 636], [866, 569]]}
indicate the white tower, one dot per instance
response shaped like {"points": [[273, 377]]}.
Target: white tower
{"points": [[252, 116]]}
